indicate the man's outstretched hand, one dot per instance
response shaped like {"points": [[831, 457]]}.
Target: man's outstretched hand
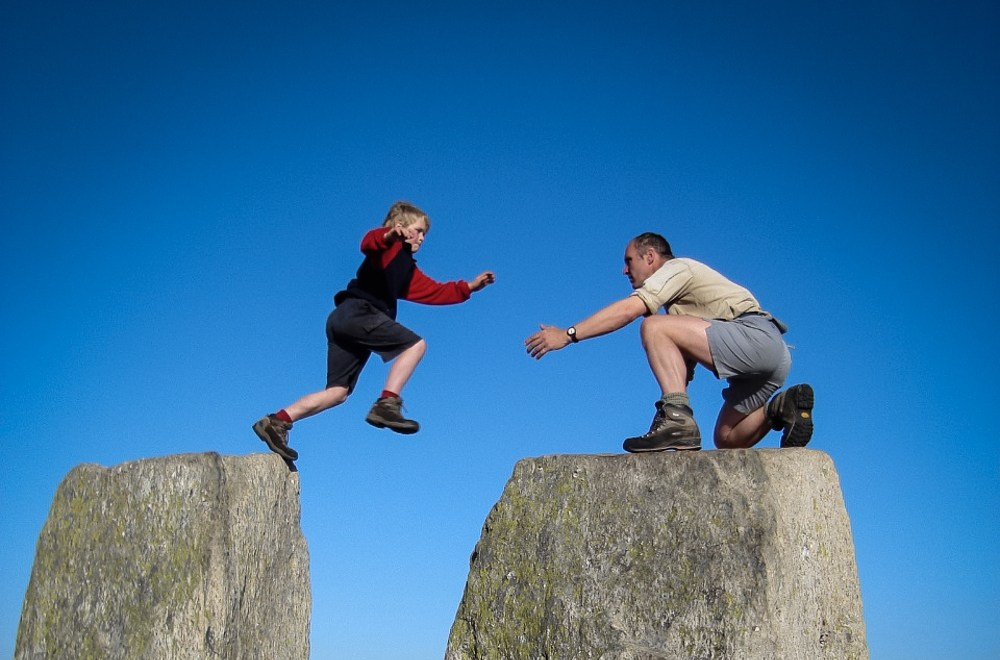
{"points": [[549, 338], [481, 280]]}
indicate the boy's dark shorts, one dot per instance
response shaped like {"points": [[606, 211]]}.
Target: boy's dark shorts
{"points": [[354, 330]]}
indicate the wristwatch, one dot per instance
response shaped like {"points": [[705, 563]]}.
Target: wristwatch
{"points": [[571, 331]]}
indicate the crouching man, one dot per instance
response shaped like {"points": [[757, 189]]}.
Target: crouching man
{"points": [[709, 321]]}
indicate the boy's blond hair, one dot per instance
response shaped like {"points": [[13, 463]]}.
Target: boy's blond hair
{"points": [[405, 214]]}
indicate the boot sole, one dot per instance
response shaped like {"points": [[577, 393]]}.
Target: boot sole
{"points": [[379, 424], [648, 450], [287, 453], [800, 432], [664, 445]]}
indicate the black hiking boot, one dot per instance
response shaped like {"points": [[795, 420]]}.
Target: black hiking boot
{"points": [[387, 413], [791, 413], [274, 432], [673, 427]]}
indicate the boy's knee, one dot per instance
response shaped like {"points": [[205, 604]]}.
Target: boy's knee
{"points": [[337, 394]]}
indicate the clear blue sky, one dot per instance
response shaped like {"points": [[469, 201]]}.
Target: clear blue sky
{"points": [[183, 187]]}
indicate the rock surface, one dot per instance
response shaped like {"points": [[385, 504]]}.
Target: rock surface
{"points": [[739, 555], [187, 556]]}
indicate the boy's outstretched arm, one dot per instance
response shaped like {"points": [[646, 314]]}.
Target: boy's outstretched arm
{"points": [[482, 280]]}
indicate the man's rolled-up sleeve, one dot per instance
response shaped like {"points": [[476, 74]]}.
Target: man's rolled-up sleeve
{"points": [[664, 286], [647, 299]]}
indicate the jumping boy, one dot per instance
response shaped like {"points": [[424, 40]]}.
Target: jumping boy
{"points": [[363, 322]]}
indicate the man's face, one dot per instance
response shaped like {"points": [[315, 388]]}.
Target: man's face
{"points": [[638, 267]]}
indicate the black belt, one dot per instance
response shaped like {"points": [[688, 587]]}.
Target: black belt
{"points": [[782, 328]]}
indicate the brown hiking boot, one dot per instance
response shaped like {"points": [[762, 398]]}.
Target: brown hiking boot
{"points": [[387, 413], [673, 427], [274, 432], [791, 413]]}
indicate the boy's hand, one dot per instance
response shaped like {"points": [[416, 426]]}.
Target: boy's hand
{"points": [[481, 280], [398, 232]]}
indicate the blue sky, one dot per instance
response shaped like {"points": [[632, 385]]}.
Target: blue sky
{"points": [[183, 188]]}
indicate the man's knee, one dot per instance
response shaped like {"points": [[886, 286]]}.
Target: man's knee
{"points": [[663, 330], [651, 327]]}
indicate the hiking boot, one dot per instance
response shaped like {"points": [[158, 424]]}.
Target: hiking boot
{"points": [[387, 413], [791, 412], [274, 432], [673, 427]]}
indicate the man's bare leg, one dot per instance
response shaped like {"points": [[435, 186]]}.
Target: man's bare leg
{"points": [[669, 341], [736, 430]]}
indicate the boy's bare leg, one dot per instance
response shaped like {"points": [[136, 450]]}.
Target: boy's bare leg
{"points": [[403, 367], [387, 412], [317, 402], [273, 429]]}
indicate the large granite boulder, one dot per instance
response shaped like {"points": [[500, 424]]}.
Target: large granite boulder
{"points": [[738, 555], [194, 556]]}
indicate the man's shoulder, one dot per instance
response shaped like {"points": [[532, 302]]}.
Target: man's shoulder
{"points": [[677, 265], [693, 267], [687, 262]]}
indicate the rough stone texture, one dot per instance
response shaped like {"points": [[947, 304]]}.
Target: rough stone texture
{"points": [[187, 556], [740, 554]]}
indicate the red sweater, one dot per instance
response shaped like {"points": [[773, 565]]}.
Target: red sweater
{"points": [[389, 272]]}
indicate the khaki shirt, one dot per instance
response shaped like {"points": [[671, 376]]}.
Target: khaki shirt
{"points": [[689, 287]]}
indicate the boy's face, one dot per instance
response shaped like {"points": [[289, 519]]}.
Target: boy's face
{"points": [[415, 234]]}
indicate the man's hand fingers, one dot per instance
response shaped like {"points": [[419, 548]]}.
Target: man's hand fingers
{"points": [[536, 344]]}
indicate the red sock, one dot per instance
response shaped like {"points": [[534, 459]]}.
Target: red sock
{"points": [[387, 394], [283, 416]]}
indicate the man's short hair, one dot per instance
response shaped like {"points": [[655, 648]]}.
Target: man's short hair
{"points": [[406, 214], [648, 240]]}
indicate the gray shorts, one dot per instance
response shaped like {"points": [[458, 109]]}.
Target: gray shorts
{"points": [[751, 355], [354, 330]]}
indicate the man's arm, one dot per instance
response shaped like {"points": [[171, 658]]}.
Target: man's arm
{"points": [[616, 315]]}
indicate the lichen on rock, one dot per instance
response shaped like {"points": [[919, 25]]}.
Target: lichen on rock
{"points": [[743, 554], [185, 556]]}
